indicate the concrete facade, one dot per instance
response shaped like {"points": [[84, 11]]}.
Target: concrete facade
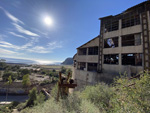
{"points": [[125, 47]]}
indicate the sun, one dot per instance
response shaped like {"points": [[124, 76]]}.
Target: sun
{"points": [[48, 21]]}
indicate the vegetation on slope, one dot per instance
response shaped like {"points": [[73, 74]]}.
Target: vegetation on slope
{"points": [[124, 96]]}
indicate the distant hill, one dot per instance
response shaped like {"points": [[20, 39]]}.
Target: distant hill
{"points": [[25, 61], [68, 61], [18, 61]]}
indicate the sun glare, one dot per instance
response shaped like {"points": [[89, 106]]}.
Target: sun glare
{"points": [[48, 21]]}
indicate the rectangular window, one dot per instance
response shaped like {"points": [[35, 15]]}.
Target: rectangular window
{"points": [[111, 42], [111, 59], [111, 25], [134, 59], [82, 51], [130, 20], [93, 50], [131, 40], [81, 65], [92, 67]]}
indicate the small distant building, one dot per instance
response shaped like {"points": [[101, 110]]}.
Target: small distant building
{"points": [[122, 46]]}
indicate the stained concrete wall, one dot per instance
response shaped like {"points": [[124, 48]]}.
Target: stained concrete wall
{"points": [[14, 88], [91, 43], [87, 58], [84, 78]]}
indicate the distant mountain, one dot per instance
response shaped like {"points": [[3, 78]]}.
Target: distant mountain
{"points": [[19, 61], [68, 61], [25, 61]]}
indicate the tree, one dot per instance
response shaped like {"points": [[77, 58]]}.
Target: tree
{"points": [[35, 98], [8, 83], [24, 71], [7, 74], [26, 80], [32, 97], [2, 64], [63, 70], [53, 70], [69, 71]]}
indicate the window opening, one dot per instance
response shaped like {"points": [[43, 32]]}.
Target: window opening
{"points": [[82, 51], [131, 40], [93, 50], [111, 25], [111, 42], [111, 59], [134, 59], [130, 20], [81, 65], [92, 67]]}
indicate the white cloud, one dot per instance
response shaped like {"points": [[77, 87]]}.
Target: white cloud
{"points": [[10, 16], [29, 47], [8, 45], [17, 35], [24, 31], [5, 51], [38, 49], [54, 45]]}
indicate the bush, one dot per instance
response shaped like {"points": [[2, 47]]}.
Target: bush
{"points": [[45, 82], [99, 95], [5, 109], [26, 81], [88, 107], [32, 97], [54, 91], [21, 106], [24, 71], [63, 70], [72, 103], [40, 99], [50, 106], [132, 98], [7, 74]]}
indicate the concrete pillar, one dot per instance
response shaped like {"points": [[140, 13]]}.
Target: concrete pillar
{"points": [[120, 24], [148, 18], [87, 50], [120, 59], [120, 63], [86, 65]]}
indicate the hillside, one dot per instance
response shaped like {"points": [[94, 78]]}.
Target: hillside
{"points": [[121, 97], [68, 61]]}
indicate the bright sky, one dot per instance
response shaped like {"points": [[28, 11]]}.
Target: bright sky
{"points": [[51, 30]]}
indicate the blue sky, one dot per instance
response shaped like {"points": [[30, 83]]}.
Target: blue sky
{"points": [[23, 33]]}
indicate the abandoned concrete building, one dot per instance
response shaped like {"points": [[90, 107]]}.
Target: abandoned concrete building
{"points": [[122, 46]]}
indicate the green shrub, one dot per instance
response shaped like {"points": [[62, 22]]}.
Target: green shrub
{"points": [[54, 92], [50, 106], [88, 107], [45, 82], [132, 98], [40, 99], [32, 97], [21, 106], [26, 80], [5, 109], [72, 103], [7, 74], [99, 95]]}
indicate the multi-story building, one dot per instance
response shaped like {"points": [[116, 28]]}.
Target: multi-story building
{"points": [[122, 46]]}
